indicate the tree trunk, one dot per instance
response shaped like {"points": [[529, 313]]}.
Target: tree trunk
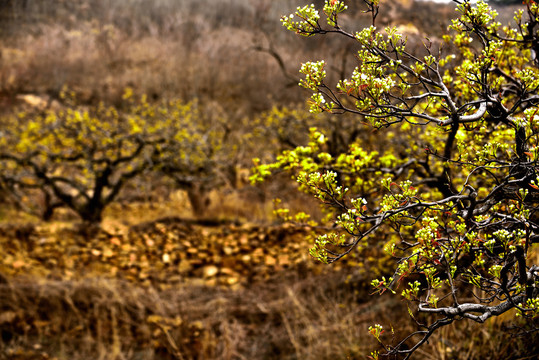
{"points": [[199, 199]]}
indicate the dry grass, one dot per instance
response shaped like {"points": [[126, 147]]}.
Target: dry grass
{"points": [[169, 49], [102, 319], [290, 317]]}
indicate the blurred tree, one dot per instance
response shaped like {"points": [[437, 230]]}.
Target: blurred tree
{"points": [[210, 158], [450, 186], [83, 157]]}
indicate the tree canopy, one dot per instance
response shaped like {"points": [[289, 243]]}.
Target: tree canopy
{"points": [[450, 186], [82, 157]]}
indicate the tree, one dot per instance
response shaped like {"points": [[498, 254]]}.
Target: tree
{"points": [[450, 188], [208, 160], [82, 157]]}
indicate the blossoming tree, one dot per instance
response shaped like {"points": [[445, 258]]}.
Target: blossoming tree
{"points": [[83, 157], [450, 189]]}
